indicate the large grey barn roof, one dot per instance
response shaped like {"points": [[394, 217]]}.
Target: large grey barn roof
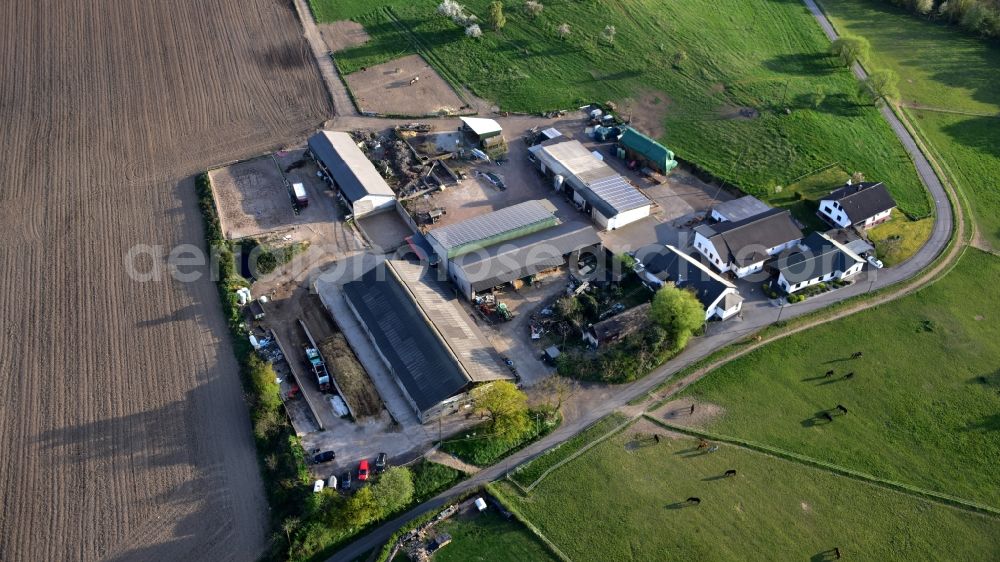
{"points": [[604, 188], [354, 173], [451, 320], [742, 208], [821, 256], [525, 256], [763, 231], [862, 200], [418, 358], [496, 224]]}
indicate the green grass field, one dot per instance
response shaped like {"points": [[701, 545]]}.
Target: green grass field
{"points": [[489, 537], [763, 54], [941, 67], [924, 404], [622, 502]]}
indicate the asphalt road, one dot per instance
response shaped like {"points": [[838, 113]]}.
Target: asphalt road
{"points": [[702, 347]]}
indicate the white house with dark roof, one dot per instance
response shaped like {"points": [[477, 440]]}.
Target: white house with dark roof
{"points": [[607, 196], [667, 264], [863, 205], [743, 246], [818, 259]]}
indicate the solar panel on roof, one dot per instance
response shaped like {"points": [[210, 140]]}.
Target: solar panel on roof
{"points": [[619, 193]]}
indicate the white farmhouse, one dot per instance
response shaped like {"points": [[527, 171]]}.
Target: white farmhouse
{"points": [[743, 246], [862, 205], [663, 264], [358, 182], [817, 260]]}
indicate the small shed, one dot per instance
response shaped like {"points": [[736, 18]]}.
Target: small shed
{"points": [[618, 327], [551, 354], [482, 129], [646, 152], [256, 310]]}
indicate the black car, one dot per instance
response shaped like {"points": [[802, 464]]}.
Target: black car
{"points": [[381, 463], [325, 456], [345, 480]]}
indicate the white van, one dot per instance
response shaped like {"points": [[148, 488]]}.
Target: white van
{"points": [[299, 190]]}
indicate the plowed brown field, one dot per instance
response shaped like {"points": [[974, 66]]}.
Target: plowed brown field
{"points": [[123, 431]]}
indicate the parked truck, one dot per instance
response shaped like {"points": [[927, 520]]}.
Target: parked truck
{"points": [[319, 368], [299, 190]]}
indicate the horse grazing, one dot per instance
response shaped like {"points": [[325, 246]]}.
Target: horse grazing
{"points": [[730, 472], [829, 373], [826, 416], [857, 355], [703, 444], [841, 409], [849, 376], [694, 500], [415, 80]]}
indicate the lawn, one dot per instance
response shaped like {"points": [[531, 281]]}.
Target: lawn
{"points": [[527, 474], [487, 536], [899, 238], [479, 447], [703, 60], [924, 402], [625, 500], [941, 67]]}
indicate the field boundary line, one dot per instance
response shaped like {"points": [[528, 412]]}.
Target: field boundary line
{"points": [[938, 497], [573, 456], [491, 488], [945, 110]]}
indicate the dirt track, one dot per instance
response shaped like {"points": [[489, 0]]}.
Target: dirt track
{"points": [[123, 430]]}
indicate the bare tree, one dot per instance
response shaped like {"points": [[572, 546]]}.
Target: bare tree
{"points": [[608, 35]]}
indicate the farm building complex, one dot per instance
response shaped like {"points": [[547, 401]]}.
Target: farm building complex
{"points": [[512, 245], [346, 166], [862, 205], [607, 196]]}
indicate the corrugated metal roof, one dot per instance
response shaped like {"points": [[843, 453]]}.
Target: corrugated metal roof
{"points": [[599, 184], [494, 227], [648, 148], [525, 256], [479, 359], [418, 358], [742, 208], [355, 175], [481, 126]]}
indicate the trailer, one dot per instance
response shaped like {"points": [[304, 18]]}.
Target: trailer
{"points": [[316, 361]]}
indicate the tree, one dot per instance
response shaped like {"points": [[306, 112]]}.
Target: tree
{"points": [[923, 7], [556, 390], [533, 8], [679, 58], [506, 406], [679, 312], [857, 177], [850, 49], [497, 17], [881, 84], [568, 308], [474, 31], [361, 508], [289, 526], [608, 35], [393, 490], [563, 31]]}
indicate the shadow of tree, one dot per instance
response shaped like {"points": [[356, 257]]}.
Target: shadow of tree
{"points": [[979, 133], [802, 64]]}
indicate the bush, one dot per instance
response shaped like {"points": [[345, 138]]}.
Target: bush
{"points": [[430, 479], [481, 448]]}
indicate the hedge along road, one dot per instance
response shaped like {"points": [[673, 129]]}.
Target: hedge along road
{"points": [[700, 348]]}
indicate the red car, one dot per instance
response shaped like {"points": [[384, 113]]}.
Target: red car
{"points": [[363, 470]]}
